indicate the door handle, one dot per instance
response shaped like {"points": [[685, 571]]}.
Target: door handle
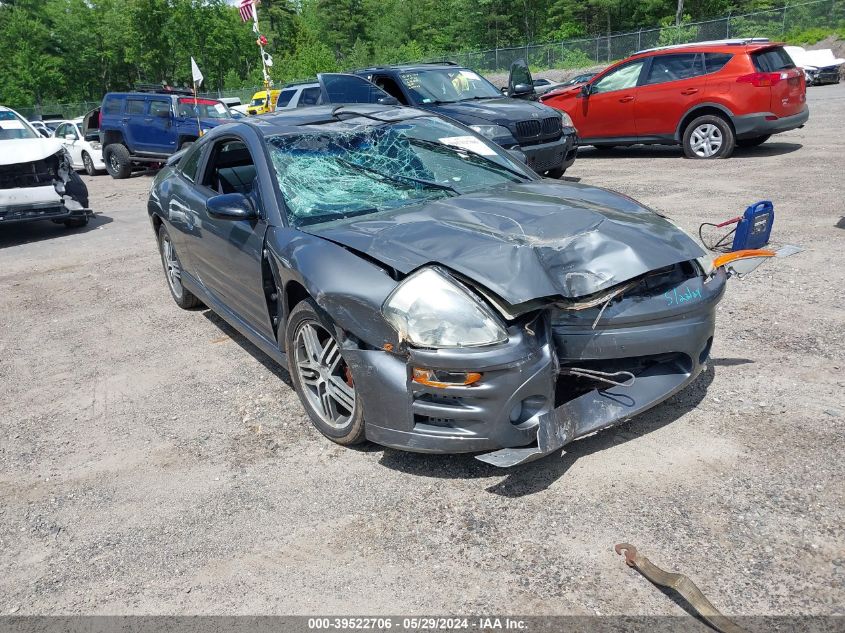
{"points": [[626, 99], [689, 91]]}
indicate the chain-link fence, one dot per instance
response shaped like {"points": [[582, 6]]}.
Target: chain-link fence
{"points": [[581, 53], [587, 52]]}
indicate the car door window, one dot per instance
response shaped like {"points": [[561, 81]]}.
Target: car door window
{"points": [[231, 168], [60, 131], [112, 105], [189, 163], [284, 98], [390, 86], [674, 68], [620, 79], [135, 106], [157, 107], [70, 130], [309, 96], [715, 61]]}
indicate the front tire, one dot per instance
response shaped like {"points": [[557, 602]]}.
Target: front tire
{"points": [[88, 164], [752, 142], [173, 272], [118, 161], [321, 377], [708, 136]]}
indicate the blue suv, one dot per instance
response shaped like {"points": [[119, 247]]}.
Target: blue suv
{"points": [[147, 127], [535, 133]]}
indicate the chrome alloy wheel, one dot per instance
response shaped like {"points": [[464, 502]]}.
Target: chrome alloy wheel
{"points": [[706, 140], [325, 378], [172, 268]]}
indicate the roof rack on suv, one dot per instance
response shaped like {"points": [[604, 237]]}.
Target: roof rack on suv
{"points": [[159, 89], [731, 42]]}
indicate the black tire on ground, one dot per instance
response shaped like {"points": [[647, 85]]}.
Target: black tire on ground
{"points": [[117, 159], [76, 223], [173, 272], [307, 313], [708, 136], [752, 142], [557, 172], [89, 164]]}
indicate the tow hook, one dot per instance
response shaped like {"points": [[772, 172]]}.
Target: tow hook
{"points": [[680, 583]]}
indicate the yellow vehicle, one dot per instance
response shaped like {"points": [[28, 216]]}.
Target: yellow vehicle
{"points": [[260, 104]]}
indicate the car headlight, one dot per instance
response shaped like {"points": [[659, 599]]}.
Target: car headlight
{"points": [[430, 309], [95, 145], [492, 131], [567, 120]]}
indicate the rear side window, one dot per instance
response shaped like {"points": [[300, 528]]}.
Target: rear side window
{"points": [[714, 62], [772, 60], [284, 98], [135, 106], [112, 105], [189, 163], [674, 67], [309, 96]]}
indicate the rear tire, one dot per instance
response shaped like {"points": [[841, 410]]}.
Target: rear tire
{"points": [[752, 142], [321, 377], [708, 136], [173, 272], [76, 223], [118, 161]]}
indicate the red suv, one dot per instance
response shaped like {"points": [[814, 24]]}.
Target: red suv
{"points": [[707, 97]]}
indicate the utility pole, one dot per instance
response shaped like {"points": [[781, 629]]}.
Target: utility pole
{"points": [[679, 14]]}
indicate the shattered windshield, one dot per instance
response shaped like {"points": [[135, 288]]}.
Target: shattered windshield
{"points": [[13, 127], [447, 85], [345, 169]]}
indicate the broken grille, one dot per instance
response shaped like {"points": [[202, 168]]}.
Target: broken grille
{"points": [[35, 174]]}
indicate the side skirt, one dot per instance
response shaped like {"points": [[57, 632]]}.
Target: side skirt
{"points": [[259, 340]]}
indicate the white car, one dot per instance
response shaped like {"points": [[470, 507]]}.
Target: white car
{"points": [[37, 181], [83, 145]]}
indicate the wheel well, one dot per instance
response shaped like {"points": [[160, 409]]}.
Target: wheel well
{"points": [[294, 293], [112, 136], [697, 112], [186, 139], [156, 222]]}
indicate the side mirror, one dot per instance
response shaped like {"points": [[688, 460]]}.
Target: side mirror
{"points": [[522, 89], [389, 100], [503, 90], [70, 137], [230, 206], [586, 90]]}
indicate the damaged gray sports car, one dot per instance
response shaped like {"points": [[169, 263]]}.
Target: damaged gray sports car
{"points": [[37, 180], [427, 291]]}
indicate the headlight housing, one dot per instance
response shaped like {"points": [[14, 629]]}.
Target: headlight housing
{"points": [[96, 145], [493, 131], [432, 309], [567, 120]]}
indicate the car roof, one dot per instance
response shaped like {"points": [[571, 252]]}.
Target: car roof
{"points": [[718, 46], [288, 121], [411, 67]]}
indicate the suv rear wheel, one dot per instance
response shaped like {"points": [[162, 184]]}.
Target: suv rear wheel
{"points": [[118, 161], [708, 136]]}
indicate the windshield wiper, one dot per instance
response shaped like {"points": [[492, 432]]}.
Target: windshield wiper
{"points": [[398, 178], [337, 215], [478, 159]]}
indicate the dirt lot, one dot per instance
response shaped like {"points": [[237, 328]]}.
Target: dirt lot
{"points": [[153, 461]]}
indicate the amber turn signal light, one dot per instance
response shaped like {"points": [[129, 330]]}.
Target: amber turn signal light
{"points": [[727, 258], [444, 379]]}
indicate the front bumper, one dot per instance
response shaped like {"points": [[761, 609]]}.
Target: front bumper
{"points": [[752, 125], [559, 154], [31, 204], [523, 408]]}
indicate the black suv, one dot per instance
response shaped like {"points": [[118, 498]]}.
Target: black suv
{"points": [[546, 140]]}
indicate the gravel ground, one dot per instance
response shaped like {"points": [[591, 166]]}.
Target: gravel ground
{"points": [[153, 461]]}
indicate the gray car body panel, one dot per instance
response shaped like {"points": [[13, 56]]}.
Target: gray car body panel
{"points": [[541, 242]]}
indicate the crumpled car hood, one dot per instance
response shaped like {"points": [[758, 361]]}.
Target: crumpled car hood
{"points": [[27, 150], [501, 111], [523, 241]]}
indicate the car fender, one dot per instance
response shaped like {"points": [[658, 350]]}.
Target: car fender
{"points": [[350, 288], [679, 130]]}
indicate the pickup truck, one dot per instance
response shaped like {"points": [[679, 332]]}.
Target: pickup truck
{"points": [[143, 128]]}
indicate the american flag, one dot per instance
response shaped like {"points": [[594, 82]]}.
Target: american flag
{"points": [[245, 7]]}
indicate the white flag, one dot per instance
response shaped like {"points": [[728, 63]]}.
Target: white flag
{"points": [[195, 71]]}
